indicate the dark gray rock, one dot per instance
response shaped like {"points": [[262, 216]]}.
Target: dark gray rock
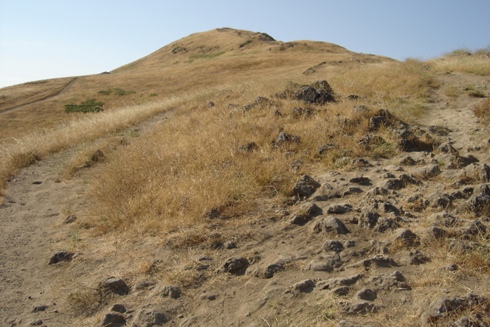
{"points": [[361, 181], [173, 292], [339, 209], [39, 308], [330, 225], [367, 294], [236, 266], [334, 246], [385, 224], [305, 186], [484, 174], [341, 291], [70, 219], [305, 286], [475, 228], [113, 320], [151, 316], [405, 237], [61, 256], [299, 219], [389, 281], [114, 285], [416, 258], [312, 209], [441, 307], [118, 308], [378, 261]]}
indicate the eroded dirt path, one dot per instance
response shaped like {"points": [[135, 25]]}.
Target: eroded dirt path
{"points": [[31, 215]]}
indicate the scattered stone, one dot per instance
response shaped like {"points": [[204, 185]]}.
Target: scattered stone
{"points": [[475, 320], [236, 266], [39, 308], [394, 280], [441, 201], [113, 320], [173, 292], [305, 186], [285, 138], [312, 209], [272, 269], [385, 224], [334, 246], [367, 294], [150, 317], [299, 219], [229, 245], [417, 258], [38, 322], [443, 306], [70, 219], [209, 297], [484, 174], [339, 209], [370, 141], [341, 291], [115, 285], [299, 112], [369, 219], [436, 232], [305, 286], [330, 225], [476, 228], [405, 237], [319, 92], [118, 308], [61, 256], [361, 181], [427, 172]]}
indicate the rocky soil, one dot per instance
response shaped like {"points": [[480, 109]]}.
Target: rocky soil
{"points": [[377, 242]]}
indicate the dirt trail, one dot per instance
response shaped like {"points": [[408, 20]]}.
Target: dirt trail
{"points": [[38, 200], [58, 92], [32, 212]]}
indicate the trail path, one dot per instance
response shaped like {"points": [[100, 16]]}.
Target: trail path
{"points": [[56, 93]]}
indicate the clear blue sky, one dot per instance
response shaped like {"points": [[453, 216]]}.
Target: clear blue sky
{"points": [[58, 38]]}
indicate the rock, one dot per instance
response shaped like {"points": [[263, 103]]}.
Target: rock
{"points": [[319, 92], [39, 308], [443, 306], [439, 200], [436, 232], [484, 174], [272, 269], [389, 281], [305, 286], [285, 138], [475, 320], [370, 141], [118, 308], [115, 285], [330, 225], [447, 148], [299, 219], [305, 186], [341, 291], [61, 256], [369, 219], [475, 228], [312, 209], [385, 224], [367, 294], [339, 209], [405, 237], [173, 292], [378, 261], [113, 320], [361, 181], [334, 246], [416, 257], [70, 219], [236, 266], [427, 172], [299, 112], [150, 316], [38, 322]]}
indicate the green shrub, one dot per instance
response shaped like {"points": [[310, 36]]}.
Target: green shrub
{"points": [[90, 105]]}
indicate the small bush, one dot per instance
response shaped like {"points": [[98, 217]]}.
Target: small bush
{"points": [[90, 105], [482, 110]]}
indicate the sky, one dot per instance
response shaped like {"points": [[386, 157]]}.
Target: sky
{"points": [[60, 38]]}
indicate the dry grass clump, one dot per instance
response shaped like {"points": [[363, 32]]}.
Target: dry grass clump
{"points": [[465, 61], [482, 110]]}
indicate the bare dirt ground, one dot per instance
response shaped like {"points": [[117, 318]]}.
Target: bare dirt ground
{"points": [[33, 228]]}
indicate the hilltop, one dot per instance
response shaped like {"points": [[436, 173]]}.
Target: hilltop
{"points": [[234, 179]]}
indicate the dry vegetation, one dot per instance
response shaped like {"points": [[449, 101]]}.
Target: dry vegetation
{"points": [[461, 60]]}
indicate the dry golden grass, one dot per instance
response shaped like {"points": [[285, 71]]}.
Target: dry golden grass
{"points": [[465, 61], [482, 110], [194, 165]]}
